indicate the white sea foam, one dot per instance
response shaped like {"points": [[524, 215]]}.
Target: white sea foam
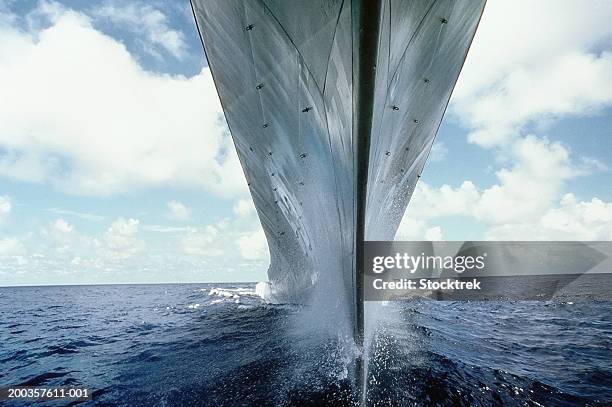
{"points": [[263, 290], [223, 294], [219, 292], [232, 293]]}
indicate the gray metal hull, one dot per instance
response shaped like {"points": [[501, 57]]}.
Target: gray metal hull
{"points": [[333, 116]]}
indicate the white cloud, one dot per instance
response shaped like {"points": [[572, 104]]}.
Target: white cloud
{"points": [[5, 208], [121, 239], [77, 111], [411, 229], [569, 220], [434, 233], [438, 152], [564, 219], [178, 211], [229, 239], [10, 247], [244, 207], [125, 252], [251, 239], [575, 84], [147, 21], [428, 202], [46, 12], [586, 220], [202, 242], [540, 169], [61, 226], [527, 202], [61, 240], [165, 229], [81, 215], [253, 246], [417, 229], [533, 61]]}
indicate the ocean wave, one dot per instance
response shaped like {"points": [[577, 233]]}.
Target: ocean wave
{"points": [[180, 346]]}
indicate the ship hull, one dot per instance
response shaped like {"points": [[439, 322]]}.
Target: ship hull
{"points": [[333, 107]]}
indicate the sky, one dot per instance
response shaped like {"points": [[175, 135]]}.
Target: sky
{"points": [[116, 165]]}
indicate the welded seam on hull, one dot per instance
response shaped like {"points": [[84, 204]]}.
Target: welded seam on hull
{"points": [[331, 151], [256, 76], [332, 46], [390, 4], [321, 95], [290, 40], [261, 214], [416, 31], [395, 71]]}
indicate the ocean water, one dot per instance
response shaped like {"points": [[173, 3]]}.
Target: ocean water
{"points": [[220, 345]]}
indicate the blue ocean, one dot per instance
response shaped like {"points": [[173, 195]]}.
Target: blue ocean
{"points": [[220, 345]]}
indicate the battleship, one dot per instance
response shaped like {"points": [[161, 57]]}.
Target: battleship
{"points": [[333, 107]]}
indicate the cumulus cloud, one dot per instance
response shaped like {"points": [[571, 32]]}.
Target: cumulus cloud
{"points": [[251, 240], [149, 23], [78, 112], [539, 171], [62, 242], [584, 220], [202, 242], [244, 207], [429, 202], [61, 239], [527, 202], [571, 219], [438, 152], [122, 248], [5, 208], [121, 239], [417, 229], [524, 71], [565, 219], [434, 233], [575, 84], [410, 229], [61, 226], [531, 62], [228, 238], [253, 246], [178, 211], [11, 246], [78, 214]]}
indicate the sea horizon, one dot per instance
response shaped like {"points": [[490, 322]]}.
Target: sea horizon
{"points": [[114, 284]]}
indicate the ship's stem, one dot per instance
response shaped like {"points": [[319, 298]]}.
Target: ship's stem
{"points": [[366, 31]]}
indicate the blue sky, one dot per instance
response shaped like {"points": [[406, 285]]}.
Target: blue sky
{"points": [[116, 165]]}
